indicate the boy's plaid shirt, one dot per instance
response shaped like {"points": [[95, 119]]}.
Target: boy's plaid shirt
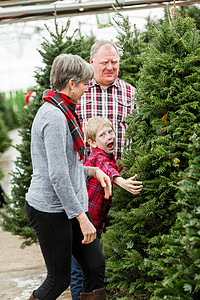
{"points": [[115, 103], [98, 205]]}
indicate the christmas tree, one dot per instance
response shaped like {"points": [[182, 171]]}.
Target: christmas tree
{"points": [[4, 138], [4, 144], [131, 44], [168, 99], [8, 115], [192, 11], [60, 42], [14, 217], [181, 251]]}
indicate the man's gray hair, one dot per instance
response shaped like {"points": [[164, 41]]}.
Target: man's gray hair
{"points": [[96, 46], [68, 66]]}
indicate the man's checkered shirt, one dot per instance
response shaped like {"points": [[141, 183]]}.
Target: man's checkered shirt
{"points": [[115, 103]]}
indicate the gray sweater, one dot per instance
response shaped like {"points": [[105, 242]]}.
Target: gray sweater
{"points": [[59, 179]]}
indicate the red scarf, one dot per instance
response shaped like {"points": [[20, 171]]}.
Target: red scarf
{"points": [[64, 103]]}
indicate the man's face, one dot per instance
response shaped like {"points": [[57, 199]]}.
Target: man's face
{"points": [[106, 65]]}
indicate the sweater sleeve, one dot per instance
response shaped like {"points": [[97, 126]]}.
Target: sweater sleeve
{"points": [[86, 170]]}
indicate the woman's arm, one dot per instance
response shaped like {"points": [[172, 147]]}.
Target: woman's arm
{"points": [[103, 179], [87, 228]]}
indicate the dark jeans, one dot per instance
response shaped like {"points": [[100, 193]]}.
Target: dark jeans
{"points": [[76, 284], [59, 238]]}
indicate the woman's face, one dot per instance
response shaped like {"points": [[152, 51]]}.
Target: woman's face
{"points": [[79, 90]]}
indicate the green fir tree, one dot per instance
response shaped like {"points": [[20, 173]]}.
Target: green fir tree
{"points": [[131, 44], [181, 251], [192, 11], [60, 42], [4, 138], [14, 217], [168, 99], [9, 116], [4, 141]]}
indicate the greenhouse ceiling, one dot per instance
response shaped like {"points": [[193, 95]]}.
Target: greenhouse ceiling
{"points": [[12, 11]]}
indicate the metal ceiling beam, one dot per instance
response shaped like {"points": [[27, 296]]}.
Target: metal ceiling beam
{"points": [[26, 13], [9, 3]]}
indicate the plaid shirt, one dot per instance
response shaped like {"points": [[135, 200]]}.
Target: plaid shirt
{"points": [[98, 205], [115, 103]]}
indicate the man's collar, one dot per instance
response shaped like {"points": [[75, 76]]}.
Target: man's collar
{"points": [[93, 83]]}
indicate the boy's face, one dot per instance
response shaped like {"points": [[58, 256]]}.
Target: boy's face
{"points": [[105, 139]]}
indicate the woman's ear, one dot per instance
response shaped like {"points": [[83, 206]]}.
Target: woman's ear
{"points": [[92, 143], [71, 83]]}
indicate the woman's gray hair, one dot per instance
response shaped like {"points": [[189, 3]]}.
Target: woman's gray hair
{"points": [[68, 66], [96, 46]]}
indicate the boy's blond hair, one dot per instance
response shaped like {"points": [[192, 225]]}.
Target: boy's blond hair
{"points": [[93, 125]]}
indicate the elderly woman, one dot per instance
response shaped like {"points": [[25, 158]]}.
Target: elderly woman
{"points": [[57, 199]]}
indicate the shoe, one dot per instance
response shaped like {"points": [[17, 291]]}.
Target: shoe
{"points": [[99, 294], [32, 297]]}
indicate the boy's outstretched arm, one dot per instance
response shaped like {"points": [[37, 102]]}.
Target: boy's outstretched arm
{"points": [[132, 186]]}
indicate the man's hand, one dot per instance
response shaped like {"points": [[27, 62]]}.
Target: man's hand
{"points": [[87, 228]]}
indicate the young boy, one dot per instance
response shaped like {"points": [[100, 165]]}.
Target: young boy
{"points": [[101, 138]]}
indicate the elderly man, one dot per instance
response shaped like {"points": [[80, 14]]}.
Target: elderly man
{"points": [[107, 95]]}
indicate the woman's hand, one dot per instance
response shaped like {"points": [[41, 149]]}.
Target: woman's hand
{"points": [[103, 179], [132, 186], [87, 228]]}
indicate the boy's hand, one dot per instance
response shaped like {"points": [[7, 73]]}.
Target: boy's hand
{"points": [[132, 186], [87, 228]]}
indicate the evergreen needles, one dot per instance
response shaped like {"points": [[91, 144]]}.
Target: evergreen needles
{"points": [[168, 100]]}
